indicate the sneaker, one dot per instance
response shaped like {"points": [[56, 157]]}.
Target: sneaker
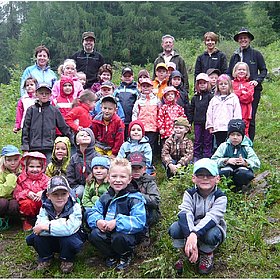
{"points": [[66, 267], [4, 223], [26, 226], [206, 262], [43, 265], [110, 262], [179, 267], [124, 262]]}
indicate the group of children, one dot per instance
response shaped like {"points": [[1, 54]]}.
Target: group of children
{"points": [[88, 161]]}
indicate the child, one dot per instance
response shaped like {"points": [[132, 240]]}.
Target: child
{"points": [[118, 218], [79, 166], [137, 141], [213, 75], [96, 182], [30, 185], [244, 90], [68, 69], [9, 170], [201, 227], [198, 109], [126, 94], [41, 121], [142, 75], [236, 157], [108, 128], [107, 88], [178, 149], [27, 100], [223, 107], [145, 109], [168, 112], [60, 157], [82, 78], [160, 81], [79, 117], [58, 227]]}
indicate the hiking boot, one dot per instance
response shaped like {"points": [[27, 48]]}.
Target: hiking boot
{"points": [[26, 226], [110, 262], [206, 262], [66, 267], [4, 223], [43, 265], [179, 267], [125, 261]]}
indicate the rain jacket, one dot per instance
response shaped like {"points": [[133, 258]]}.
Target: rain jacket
{"points": [[8, 182]]}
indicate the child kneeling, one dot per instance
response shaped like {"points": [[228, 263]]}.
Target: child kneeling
{"points": [[201, 227], [57, 228]]}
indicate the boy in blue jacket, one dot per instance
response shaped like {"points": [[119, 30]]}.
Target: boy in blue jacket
{"points": [[118, 218], [57, 229]]}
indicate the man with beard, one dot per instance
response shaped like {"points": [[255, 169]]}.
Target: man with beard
{"points": [[88, 60]]}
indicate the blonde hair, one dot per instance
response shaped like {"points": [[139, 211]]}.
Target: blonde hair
{"points": [[225, 77], [123, 162], [2, 164], [234, 75], [86, 96], [212, 36]]}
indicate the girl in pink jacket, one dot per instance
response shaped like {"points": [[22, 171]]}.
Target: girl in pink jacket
{"points": [[30, 185]]}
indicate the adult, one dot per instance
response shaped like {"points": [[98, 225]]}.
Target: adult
{"points": [[170, 55], [40, 71], [212, 57], [257, 66], [88, 60]]}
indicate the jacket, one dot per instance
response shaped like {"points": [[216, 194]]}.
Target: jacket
{"points": [[79, 166], [255, 61], [56, 167], [179, 150], [127, 208], [127, 95], [145, 109], [159, 87], [89, 63], [39, 129], [142, 146], [198, 107], [30, 182], [220, 112], [180, 66], [198, 214], [41, 75], [8, 182], [108, 136], [226, 150], [66, 223]]}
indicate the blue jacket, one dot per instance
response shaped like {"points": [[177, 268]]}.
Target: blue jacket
{"points": [[127, 208]]}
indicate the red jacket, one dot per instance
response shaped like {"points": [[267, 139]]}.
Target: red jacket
{"points": [[110, 136]]}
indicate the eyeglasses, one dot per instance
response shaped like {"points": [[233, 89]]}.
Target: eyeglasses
{"points": [[204, 176]]}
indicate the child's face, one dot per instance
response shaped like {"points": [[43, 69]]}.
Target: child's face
{"points": [[235, 138], [202, 85], [58, 198], [105, 76], [83, 138], [106, 91], [176, 81], [170, 96], [140, 79], [100, 173], [91, 104], [60, 150], [30, 86], [179, 131], [69, 70], [205, 182], [210, 43], [12, 162], [213, 79], [43, 95], [119, 178], [67, 88], [34, 167], [127, 78], [108, 109], [138, 171], [146, 88], [223, 87], [161, 73], [241, 71], [136, 132], [170, 69], [82, 78]]}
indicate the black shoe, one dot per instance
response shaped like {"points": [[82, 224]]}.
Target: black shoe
{"points": [[110, 262], [124, 262]]}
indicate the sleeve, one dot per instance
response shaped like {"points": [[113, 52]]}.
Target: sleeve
{"points": [[55, 90], [218, 156], [183, 69], [191, 110], [119, 139], [232, 62], [252, 159], [148, 153], [223, 63], [121, 153], [87, 196], [209, 115], [261, 67], [197, 68], [135, 111], [121, 112], [152, 196], [165, 153], [160, 118], [70, 119], [25, 75], [19, 114], [61, 124], [7, 185], [237, 114], [20, 192], [71, 173], [245, 94], [25, 135], [188, 153], [95, 215]]}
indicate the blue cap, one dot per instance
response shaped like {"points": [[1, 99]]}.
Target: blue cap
{"points": [[10, 150], [100, 161], [208, 164]]}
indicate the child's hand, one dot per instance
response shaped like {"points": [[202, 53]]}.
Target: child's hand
{"points": [[211, 129], [15, 130], [101, 224], [37, 229], [31, 195], [112, 156], [161, 131], [172, 168], [191, 249], [111, 225], [254, 83]]}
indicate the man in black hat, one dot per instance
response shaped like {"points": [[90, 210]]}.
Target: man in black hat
{"points": [[88, 60], [258, 70]]}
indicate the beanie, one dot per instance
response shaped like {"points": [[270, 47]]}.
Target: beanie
{"points": [[100, 161], [236, 125], [139, 123]]}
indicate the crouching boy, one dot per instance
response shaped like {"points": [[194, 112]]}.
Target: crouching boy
{"points": [[201, 227], [57, 229], [118, 218]]}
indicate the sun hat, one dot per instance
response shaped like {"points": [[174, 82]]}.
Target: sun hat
{"points": [[243, 30]]}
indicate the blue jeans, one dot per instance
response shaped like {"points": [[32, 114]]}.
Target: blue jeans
{"points": [[207, 243]]}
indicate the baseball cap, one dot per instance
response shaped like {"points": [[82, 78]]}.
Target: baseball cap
{"points": [[88, 34], [208, 164], [162, 65], [202, 76], [107, 84], [210, 71], [172, 65], [10, 150], [100, 161], [127, 70], [109, 98], [137, 159], [58, 183], [146, 81], [44, 85], [170, 88]]}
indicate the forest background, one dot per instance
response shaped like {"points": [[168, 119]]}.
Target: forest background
{"points": [[130, 33]]}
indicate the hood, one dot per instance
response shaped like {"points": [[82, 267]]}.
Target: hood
{"points": [[171, 102], [64, 80], [66, 160], [92, 143]]}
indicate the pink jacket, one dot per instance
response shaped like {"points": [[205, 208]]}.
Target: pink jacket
{"points": [[219, 112]]}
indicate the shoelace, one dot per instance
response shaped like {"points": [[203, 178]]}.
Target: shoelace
{"points": [[206, 260]]}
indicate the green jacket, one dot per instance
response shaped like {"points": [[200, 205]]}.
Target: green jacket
{"points": [[8, 183]]}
